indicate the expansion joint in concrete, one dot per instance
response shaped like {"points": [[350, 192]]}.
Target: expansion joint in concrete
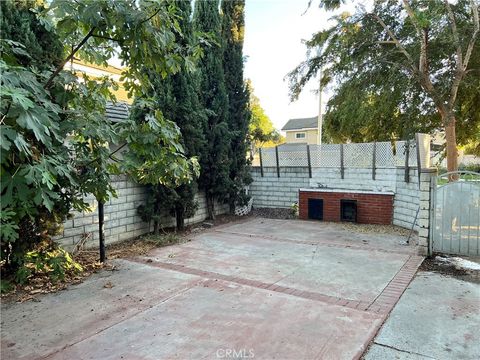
{"points": [[403, 351]]}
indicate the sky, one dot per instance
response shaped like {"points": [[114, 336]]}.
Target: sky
{"points": [[274, 30]]}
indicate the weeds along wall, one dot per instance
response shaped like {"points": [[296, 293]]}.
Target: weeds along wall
{"points": [[122, 221]]}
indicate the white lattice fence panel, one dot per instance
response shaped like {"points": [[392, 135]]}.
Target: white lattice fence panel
{"points": [[384, 155], [358, 155], [268, 157], [293, 155], [400, 152], [325, 155]]}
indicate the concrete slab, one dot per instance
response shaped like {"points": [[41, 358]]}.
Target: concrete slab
{"points": [[315, 294], [317, 231], [381, 352], [335, 271], [35, 329], [438, 317], [208, 320]]}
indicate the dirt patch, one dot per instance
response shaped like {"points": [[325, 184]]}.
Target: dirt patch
{"points": [[274, 213], [433, 265], [373, 228], [287, 214]]}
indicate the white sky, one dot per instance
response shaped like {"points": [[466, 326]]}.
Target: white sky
{"points": [[274, 30]]}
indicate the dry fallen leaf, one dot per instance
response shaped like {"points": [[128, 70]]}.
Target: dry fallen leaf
{"points": [[108, 285]]}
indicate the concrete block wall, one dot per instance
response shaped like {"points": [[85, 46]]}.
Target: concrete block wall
{"points": [[406, 201], [122, 221], [271, 191], [354, 179], [427, 177]]}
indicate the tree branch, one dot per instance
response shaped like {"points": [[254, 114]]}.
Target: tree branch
{"points": [[396, 42], [107, 38], [70, 57], [459, 72], [110, 155], [423, 37], [456, 38], [150, 17], [476, 27]]}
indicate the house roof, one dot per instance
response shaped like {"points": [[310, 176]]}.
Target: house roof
{"points": [[117, 112], [301, 123]]}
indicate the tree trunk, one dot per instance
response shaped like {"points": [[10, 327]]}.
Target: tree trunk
{"points": [[101, 231], [156, 222], [210, 208], [180, 217], [231, 204], [451, 139]]}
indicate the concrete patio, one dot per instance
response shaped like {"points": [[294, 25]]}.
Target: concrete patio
{"points": [[259, 288]]}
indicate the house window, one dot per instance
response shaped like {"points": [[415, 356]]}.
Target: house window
{"points": [[300, 135]]}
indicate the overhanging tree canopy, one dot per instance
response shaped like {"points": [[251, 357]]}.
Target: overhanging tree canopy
{"points": [[401, 67], [54, 132]]}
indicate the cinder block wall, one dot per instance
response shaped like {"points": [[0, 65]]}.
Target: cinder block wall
{"points": [[271, 191], [354, 179], [122, 221], [406, 199]]}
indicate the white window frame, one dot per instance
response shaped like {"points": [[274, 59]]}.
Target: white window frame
{"points": [[297, 137]]}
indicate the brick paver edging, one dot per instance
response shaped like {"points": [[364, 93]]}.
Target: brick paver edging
{"points": [[387, 299], [383, 304]]}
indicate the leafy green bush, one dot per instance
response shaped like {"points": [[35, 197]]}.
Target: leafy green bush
{"points": [[49, 260], [294, 209]]}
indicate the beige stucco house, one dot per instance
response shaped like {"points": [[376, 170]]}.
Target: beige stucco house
{"points": [[301, 131]]}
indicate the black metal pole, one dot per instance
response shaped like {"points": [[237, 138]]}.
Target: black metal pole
{"points": [[309, 162], [101, 230], [419, 161], [278, 162], [342, 167], [374, 160], [407, 166], [261, 161]]}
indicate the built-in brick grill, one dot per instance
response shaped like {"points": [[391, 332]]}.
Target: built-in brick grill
{"points": [[364, 207], [348, 210]]}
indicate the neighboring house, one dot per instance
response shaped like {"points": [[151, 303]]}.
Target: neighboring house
{"points": [[80, 67], [301, 131]]}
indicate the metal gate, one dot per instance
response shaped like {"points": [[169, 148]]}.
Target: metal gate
{"points": [[455, 214]]}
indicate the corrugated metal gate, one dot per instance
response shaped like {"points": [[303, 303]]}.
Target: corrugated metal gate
{"points": [[455, 214]]}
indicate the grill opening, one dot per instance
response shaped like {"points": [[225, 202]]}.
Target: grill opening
{"points": [[348, 210], [315, 209]]}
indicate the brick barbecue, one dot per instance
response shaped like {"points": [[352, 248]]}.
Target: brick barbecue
{"points": [[371, 207]]}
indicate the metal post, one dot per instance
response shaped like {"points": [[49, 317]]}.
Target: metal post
{"points": [[278, 163], [419, 161], [342, 168], [101, 230], [261, 161], [407, 155], [374, 160], [309, 162]]}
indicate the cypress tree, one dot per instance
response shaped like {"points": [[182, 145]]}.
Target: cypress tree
{"points": [[177, 97], [19, 23], [233, 24], [215, 164]]}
